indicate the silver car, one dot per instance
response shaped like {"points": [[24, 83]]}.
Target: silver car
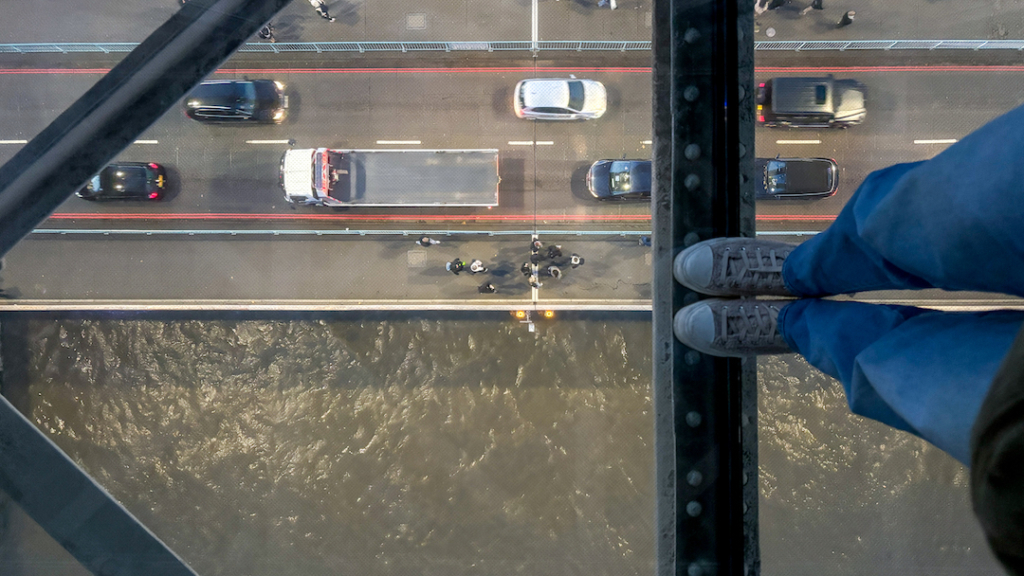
{"points": [[560, 99]]}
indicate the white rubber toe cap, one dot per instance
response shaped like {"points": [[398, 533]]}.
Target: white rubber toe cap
{"points": [[694, 326], [693, 267]]}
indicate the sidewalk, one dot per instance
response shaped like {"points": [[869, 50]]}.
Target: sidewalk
{"points": [[386, 272], [888, 20], [357, 20]]}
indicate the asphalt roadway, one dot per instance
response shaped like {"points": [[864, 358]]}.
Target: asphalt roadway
{"points": [[221, 179]]}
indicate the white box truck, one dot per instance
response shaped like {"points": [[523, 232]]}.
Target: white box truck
{"points": [[356, 178]]}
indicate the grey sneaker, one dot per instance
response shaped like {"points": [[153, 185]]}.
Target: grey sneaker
{"points": [[734, 267], [738, 328]]}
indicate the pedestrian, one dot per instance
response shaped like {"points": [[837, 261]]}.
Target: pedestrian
{"points": [[847, 19], [536, 258], [554, 251], [776, 4], [815, 5], [575, 261], [536, 245], [427, 241], [476, 266], [455, 266], [760, 6], [535, 282], [555, 272], [526, 269], [645, 240], [321, 8], [267, 32], [488, 288]]}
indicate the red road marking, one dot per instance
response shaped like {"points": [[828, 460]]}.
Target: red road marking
{"points": [[529, 69], [409, 217]]}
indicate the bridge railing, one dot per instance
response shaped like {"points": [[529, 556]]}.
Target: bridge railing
{"points": [[527, 46]]}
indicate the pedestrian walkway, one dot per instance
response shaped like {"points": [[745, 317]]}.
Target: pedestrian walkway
{"points": [[887, 20], [356, 21], [354, 272]]}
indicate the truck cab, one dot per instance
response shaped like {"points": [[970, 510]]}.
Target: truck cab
{"points": [[309, 177]]}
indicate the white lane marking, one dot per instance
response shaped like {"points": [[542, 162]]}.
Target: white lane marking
{"points": [[398, 142], [13, 141], [531, 143], [798, 141], [267, 141], [146, 142], [646, 142], [939, 141]]}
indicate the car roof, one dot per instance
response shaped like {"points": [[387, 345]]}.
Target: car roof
{"points": [[217, 92], [802, 95], [546, 92]]}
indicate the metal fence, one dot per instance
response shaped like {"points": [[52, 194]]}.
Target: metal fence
{"points": [[527, 46], [358, 47], [797, 46]]}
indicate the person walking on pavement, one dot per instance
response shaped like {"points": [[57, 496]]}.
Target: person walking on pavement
{"points": [[321, 8], [554, 271], [554, 251], [476, 266], [536, 246], [815, 5], [455, 266], [535, 282], [427, 241], [488, 288], [847, 19], [575, 261], [526, 269], [267, 32], [645, 240]]}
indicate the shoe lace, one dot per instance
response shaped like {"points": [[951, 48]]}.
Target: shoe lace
{"points": [[761, 271], [749, 325]]}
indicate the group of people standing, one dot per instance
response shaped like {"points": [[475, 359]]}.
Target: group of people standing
{"points": [[547, 263], [556, 261]]}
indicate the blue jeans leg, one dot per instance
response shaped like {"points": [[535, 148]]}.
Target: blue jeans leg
{"points": [[918, 370], [953, 222]]}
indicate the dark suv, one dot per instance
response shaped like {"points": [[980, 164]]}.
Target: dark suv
{"points": [[232, 101], [811, 102]]}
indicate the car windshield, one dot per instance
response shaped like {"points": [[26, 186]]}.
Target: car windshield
{"points": [[775, 176], [619, 176], [576, 95]]}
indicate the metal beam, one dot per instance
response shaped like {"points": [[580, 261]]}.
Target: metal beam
{"points": [[123, 104], [73, 508], [705, 425], [48, 485]]}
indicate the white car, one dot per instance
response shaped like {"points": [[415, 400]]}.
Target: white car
{"points": [[560, 99]]}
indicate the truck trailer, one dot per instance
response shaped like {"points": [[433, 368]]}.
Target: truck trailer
{"points": [[370, 178]]}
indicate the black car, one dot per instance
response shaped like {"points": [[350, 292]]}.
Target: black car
{"points": [[127, 181], [796, 178], [229, 101], [620, 179]]}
